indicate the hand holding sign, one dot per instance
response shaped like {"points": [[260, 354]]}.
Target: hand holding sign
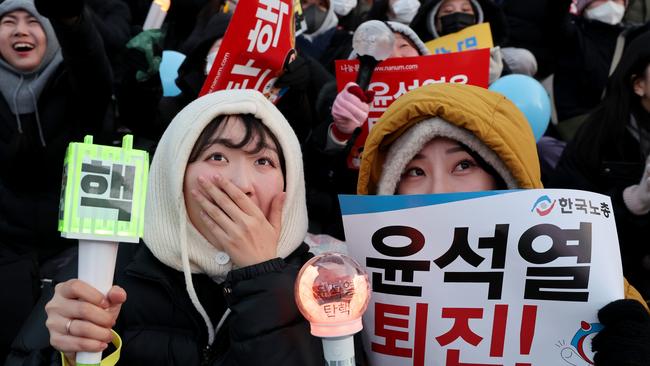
{"points": [[614, 345], [350, 109]]}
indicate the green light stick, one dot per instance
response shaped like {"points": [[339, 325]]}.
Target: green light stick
{"points": [[102, 203]]}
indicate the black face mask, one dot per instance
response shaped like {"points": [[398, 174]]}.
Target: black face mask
{"points": [[314, 17], [454, 22]]}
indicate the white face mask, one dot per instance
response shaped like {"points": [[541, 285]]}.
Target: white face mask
{"points": [[343, 7], [609, 12], [405, 10], [209, 60]]}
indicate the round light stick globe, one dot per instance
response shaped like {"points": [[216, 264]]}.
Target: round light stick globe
{"points": [[373, 42], [373, 38], [332, 292]]}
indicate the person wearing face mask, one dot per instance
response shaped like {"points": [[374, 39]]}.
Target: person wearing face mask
{"points": [[438, 18], [326, 152], [589, 48], [443, 138], [401, 11], [609, 155], [321, 26]]}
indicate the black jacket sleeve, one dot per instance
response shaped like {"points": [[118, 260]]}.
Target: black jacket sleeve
{"points": [[266, 327], [88, 69]]}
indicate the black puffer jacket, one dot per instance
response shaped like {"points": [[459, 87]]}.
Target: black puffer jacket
{"points": [[159, 325]]}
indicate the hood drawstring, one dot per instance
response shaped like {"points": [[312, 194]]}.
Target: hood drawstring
{"points": [[38, 117], [34, 102], [187, 273], [15, 102]]}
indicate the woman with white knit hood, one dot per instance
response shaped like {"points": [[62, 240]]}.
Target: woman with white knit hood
{"points": [[224, 224]]}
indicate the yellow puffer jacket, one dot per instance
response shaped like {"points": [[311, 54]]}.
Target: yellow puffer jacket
{"points": [[489, 116]]}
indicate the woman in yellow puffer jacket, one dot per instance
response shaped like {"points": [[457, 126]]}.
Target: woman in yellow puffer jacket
{"points": [[453, 138]]}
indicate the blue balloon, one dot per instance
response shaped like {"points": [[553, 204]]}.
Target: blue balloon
{"points": [[171, 61], [530, 97]]}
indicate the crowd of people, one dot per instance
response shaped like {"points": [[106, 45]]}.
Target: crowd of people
{"points": [[237, 182]]}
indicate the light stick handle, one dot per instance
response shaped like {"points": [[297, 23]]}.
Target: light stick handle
{"points": [[96, 268], [339, 351], [155, 17]]}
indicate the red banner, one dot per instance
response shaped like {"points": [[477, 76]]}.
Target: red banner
{"points": [[257, 45], [396, 76]]}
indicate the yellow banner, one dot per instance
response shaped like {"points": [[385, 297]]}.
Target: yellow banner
{"points": [[470, 38]]}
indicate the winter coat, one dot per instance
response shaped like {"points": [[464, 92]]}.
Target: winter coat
{"points": [[159, 325], [113, 21], [534, 25], [620, 166], [72, 104], [497, 124], [585, 50]]}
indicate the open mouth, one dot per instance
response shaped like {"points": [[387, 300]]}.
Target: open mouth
{"points": [[23, 47]]}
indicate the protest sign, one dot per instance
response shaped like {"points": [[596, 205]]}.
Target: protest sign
{"points": [[485, 278], [471, 38], [258, 44], [396, 76]]}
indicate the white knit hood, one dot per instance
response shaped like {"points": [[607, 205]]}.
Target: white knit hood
{"points": [[168, 232]]}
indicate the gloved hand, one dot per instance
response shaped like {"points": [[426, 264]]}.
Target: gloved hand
{"points": [[351, 107], [496, 64], [57, 9], [637, 197], [145, 52], [625, 338]]}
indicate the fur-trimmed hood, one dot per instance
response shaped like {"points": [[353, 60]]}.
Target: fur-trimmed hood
{"points": [[485, 121]]}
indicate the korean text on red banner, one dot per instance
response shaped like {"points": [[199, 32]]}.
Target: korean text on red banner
{"points": [[396, 76], [256, 47]]}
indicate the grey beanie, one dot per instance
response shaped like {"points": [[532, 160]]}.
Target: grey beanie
{"points": [[402, 151]]}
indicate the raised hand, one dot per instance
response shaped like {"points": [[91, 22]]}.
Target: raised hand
{"points": [[237, 224]]}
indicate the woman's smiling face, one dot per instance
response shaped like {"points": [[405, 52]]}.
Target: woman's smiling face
{"points": [[443, 166]]}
